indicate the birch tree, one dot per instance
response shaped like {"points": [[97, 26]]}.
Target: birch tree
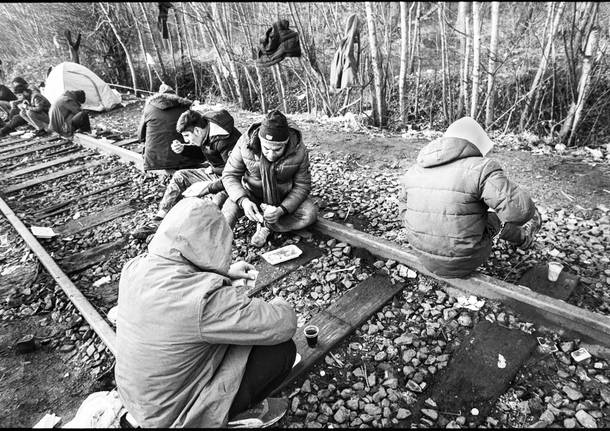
{"points": [[379, 102], [404, 54], [491, 72], [476, 54]]}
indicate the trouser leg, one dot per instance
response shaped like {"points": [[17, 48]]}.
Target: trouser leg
{"points": [[266, 369], [220, 198], [232, 212], [181, 180], [13, 123], [38, 120], [81, 122], [305, 215]]}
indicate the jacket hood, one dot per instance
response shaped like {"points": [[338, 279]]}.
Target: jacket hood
{"points": [[221, 118], [445, 150], [254, 142], [165, 101], [195, 231]]}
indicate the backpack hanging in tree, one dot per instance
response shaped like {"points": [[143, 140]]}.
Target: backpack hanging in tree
{"points": [[278, 42]]}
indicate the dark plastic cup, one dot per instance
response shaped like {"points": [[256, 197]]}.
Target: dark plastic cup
{"points": [[311, 334]]}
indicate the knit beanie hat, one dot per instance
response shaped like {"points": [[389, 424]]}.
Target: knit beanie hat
{"points": [[19, 88], [274, 127], [20, 80], [467, 128], [164, 88]]}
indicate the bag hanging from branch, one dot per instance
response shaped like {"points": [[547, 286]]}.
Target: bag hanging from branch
{"points": [[278, 42]]}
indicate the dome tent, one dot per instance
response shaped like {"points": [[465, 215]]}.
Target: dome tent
{"points": [[70, 76]]}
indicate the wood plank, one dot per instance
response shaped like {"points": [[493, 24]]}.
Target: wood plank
{"points": [[536, 279], [125, 142], [43, 166], [124, 154], [93, 318], [564, 316], [341, 318], [92, 220], [269, 273], [50, 177], [32, 150], [4, 143], [83, 260], [27, 143], [54, 207]]}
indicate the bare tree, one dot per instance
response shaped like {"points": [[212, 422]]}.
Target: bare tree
{"points": [[379, 101], [142, 47], [491, 72], [74, 46], [462, 27], [404, 58], [476, 54]]}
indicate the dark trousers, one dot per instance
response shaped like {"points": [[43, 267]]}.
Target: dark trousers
{"points": [[12, 124], [266, 369], [81, 122]]}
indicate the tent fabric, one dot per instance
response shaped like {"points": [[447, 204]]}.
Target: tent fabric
{"points": [[70, 76]]}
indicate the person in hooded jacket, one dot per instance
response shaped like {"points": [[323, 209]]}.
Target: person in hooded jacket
{"points": [[212, 134], [455, 201], [192, 350], [158, 130], [268, 179], [31, 107], [66, 115]]}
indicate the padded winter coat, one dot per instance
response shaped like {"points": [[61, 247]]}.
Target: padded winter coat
{"points": [[242, 172], [63, 109], [6, 94], [183, 332], [158, 129], [444, 200]]}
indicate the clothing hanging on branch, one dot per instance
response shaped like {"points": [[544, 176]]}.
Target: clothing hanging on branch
{"points": [[278, 42], [344, 67], [162, 20]]}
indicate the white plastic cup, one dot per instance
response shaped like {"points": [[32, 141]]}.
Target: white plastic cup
{"points": [[554, 270]]}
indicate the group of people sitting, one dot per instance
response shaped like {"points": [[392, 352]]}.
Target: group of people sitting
{"points": [[24, 104], [193, 349]]}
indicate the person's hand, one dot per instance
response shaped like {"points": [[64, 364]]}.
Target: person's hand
{"points": [[241, 270], [251, 211], [272, 214], [177, 146]]}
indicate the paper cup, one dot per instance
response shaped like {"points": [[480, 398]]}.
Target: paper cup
{"points": [[554, 270], [311, 334]]}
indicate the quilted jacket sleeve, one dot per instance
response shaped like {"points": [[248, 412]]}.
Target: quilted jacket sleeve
{"points": [[508, 200], [302, 186], [234, 171]]}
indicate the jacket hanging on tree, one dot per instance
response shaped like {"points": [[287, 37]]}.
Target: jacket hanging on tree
{"points": [[344, 67], [162, 21], [278, 42]]}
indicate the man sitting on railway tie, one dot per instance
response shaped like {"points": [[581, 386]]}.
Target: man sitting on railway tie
{"points": [[456, 201], [212, 133], [192, 349], [270, 168], [67, 116]]}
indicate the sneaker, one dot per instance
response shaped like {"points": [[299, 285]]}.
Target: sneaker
{"points": [[530, 229], [260, 236], [263, 415], [149, 228]]}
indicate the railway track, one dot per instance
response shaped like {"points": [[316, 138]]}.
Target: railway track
{"points": [[91, 192]]}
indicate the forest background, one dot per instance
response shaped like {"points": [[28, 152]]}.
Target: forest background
{"points": [[514, 66]]}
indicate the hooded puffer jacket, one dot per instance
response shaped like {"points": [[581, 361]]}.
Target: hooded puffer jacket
{"points": [[158, 129], [63, 109], [242, 172], [183, 332], [444, 200]]}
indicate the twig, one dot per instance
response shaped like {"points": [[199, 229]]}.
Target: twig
{"points": [[348, 211], [566, 195], [366, 375], [337, 360], [342, 269], [518, 263]]}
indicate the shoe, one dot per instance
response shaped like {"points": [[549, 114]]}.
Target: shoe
{"points": [[263, 415], [149, 228], [530, 229], [260, 236]]}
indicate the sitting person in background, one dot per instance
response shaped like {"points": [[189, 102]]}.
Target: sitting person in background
{"points": [[8, 108], [269, 167], [455, 201], [31, 107], [212, 134], [192, 350], [158, 130], [67, 116]]}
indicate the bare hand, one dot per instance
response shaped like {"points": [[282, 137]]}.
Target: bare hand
{"points": [[241, 270], [177, 146], [272, 214], [251, 211]]}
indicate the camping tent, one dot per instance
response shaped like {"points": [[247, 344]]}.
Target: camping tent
{"points": [[69, 76]]}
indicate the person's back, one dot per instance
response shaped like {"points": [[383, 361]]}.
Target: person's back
{"points": [[444, 205]]}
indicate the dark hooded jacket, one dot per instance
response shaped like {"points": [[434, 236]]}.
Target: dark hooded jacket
{"points": [[38, 103], [444, 201], [6, 94], [242, 173], [63, 109], [158, 130], [278, 42]]}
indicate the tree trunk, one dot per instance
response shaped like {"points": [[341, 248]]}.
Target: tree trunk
{"points": [[188, 47], [404, 54], [476, 53], [491, 73], [142, 47], [541, 67], [379, 101], [259, 89], [154, 40], [120, 40], [173, 54], [463, 30], [568, 131], [444, 62], [74, 46], [416, 37]]}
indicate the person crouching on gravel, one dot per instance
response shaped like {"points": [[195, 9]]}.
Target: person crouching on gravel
{"points": [[192, 350], [212, 133], [66, 115], [269, 167], [455, 202]]}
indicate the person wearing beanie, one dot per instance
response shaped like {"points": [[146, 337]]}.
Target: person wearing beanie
{"points": [[66, 115], [268, 179], [208, 136], [455, 202]]}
